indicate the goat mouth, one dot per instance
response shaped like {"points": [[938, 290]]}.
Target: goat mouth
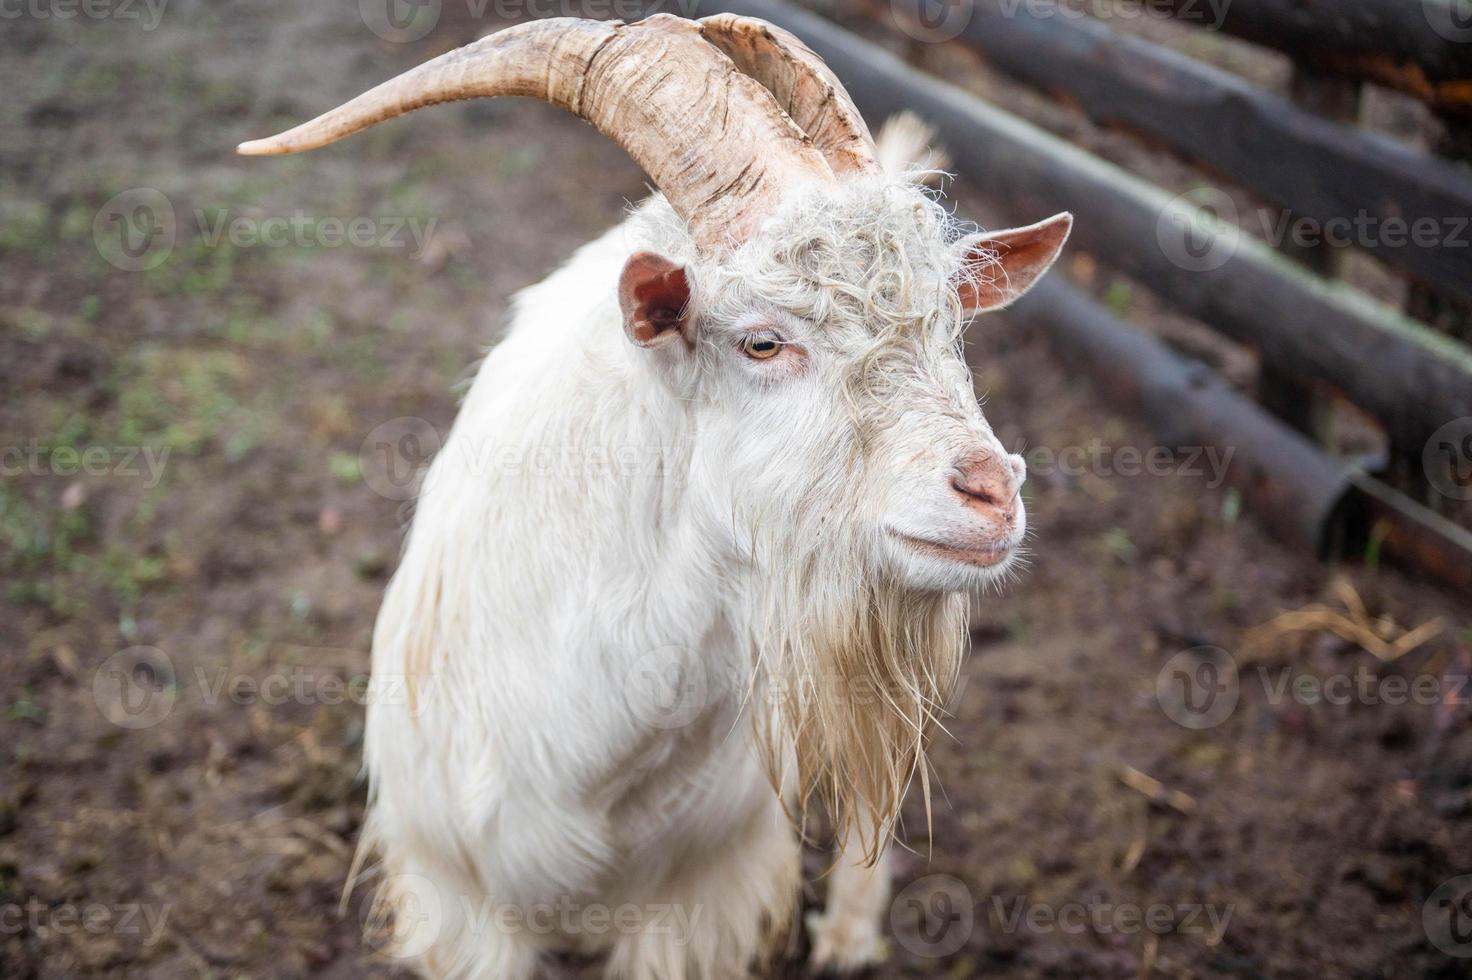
{"points": [[983, 557]]}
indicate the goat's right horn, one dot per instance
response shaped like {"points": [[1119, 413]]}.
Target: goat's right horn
{"points": [[712, 138], [805, 88]]}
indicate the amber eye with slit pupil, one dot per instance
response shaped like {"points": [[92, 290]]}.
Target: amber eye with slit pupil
{"points": [[761, 348]]}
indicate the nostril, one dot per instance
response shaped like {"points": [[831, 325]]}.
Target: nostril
{"points": [[977, 490]]}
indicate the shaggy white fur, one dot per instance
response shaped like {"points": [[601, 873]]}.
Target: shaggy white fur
{"points": [[654, 600]]}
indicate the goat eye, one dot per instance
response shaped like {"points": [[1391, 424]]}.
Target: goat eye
{"points": [[760, 348]]}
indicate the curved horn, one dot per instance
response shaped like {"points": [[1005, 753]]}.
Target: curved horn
{"points": [[803, 86], [711, 138]]}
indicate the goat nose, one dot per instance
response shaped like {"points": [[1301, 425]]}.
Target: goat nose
{"points": [[988, 483]]}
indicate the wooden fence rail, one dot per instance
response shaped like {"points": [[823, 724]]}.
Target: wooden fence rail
{"points": [[1421, 47], [1408, 207]]}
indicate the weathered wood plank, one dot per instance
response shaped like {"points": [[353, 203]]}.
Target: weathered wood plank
{"points": [[1420, 47], [1377, 189]]}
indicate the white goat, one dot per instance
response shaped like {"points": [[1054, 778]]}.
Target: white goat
{"points": [[698, 545]]}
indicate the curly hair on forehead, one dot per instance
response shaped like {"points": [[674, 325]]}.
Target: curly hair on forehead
{"points": [[876, 256]]}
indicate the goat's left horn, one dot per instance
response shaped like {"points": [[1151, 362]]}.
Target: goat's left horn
{"points": [[713, 138], [805, 88]]}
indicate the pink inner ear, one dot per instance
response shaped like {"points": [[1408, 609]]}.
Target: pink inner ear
{"points": [[654, 295], [1003, 265]]}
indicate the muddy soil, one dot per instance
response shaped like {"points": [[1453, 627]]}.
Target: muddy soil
{"points": [[197, 522]]}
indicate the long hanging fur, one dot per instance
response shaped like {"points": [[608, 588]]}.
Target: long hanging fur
{"points": [[513, 769]]}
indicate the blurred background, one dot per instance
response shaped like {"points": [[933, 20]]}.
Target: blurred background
{"points": [[1220, 726]]}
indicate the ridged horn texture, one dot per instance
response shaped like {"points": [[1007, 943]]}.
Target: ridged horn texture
{"points": [[712, 138], [805, 88]]}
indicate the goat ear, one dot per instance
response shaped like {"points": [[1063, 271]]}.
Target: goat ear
{"points": [[654, 294], [1000, 266]]}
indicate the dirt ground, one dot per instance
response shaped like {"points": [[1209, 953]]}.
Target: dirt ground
{"points": [[197, 522]]}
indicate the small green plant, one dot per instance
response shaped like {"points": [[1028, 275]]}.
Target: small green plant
{"points": [[1117, 543], [344, 467]]}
